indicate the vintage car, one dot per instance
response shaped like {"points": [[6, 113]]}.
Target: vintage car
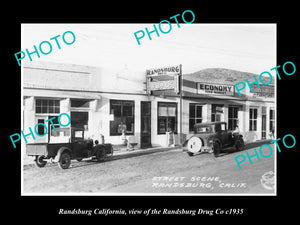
{"points": [[62, 153], [212, 137]]}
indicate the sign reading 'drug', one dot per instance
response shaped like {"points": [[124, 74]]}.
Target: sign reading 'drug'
{"points": [[217, 89]]}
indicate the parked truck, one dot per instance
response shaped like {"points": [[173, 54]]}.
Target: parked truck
{"points": [[77, 148]]}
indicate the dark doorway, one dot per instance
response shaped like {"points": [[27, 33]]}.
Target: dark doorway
{"points": [[264, 123], [263, 127], [145, 124]]}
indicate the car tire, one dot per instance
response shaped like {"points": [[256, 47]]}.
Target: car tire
{"points": [[239, 145], [217, 149], [111, 150], [65, 160], [194, 144], [39, 161], [100, 155], [190, 154]]}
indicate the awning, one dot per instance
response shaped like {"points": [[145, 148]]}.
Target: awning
{"points": [[78, 94]]}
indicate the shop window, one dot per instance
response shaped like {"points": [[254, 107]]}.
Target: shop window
{"points": [[232, 117], [253, 119], [123, 114], [47, 106], [41, 129], [79, 103], [216, 112], [167, 117], [195, 115], [80, 120], [56, 125]]}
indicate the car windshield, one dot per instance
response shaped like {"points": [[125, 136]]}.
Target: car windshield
{"points": [[203, 129]]}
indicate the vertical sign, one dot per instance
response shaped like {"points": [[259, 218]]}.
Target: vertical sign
{"points": [[167, 78], [164, 78]]}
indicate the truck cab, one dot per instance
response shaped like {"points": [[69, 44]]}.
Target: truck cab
{"points": [[77, 148]]}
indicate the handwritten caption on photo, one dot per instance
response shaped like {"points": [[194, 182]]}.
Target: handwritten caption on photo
{"points": [[194, 183]]}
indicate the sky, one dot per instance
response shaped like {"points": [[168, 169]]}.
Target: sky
{"points": [[244, 47]]}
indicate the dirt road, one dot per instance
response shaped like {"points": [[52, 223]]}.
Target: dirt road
{"points": [[163, 172]]}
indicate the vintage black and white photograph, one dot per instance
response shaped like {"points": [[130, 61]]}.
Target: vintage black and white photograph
{"points": [[171, 108]]}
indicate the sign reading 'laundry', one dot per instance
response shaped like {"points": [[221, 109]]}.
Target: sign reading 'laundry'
{"points": [[218, 89]]}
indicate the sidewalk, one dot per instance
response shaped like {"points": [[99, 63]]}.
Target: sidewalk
{"points": [[137, 152], [118, 154]]}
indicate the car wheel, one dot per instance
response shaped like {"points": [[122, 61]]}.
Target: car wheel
{"points": [[100, 155], [217, 149], [64, 161], [239, 144], [39, 161]]}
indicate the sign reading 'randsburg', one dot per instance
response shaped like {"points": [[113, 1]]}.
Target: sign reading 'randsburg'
{"points": [[170, 70]]}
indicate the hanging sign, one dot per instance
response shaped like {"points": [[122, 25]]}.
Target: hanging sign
{"points": [[162, 85], [262, 92], [164, 78]]}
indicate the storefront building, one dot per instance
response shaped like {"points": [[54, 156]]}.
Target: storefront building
{"points": [[106, 102], [215, 99]]}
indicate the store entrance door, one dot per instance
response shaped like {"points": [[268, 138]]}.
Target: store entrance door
{"points": [[145, 124]]}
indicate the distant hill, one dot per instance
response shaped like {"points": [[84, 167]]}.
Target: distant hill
{"points": [[222, 75]]}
